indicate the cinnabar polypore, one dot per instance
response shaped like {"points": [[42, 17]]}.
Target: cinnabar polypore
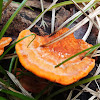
{"points": [[4, 41], [41, 60]]}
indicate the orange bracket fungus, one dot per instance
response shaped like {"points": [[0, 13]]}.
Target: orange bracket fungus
{"points": [[41, 60], [4, 41]]}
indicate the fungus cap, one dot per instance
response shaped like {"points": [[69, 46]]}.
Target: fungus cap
{"points": [[4, 41], [41, 60]]}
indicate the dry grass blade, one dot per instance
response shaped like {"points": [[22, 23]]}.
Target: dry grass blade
{"points": [[88, 31], [77, 95], [53, 19], [90, 26], [15, 80], [6, 87], [92, 98], [41, 1], [96, 73], [98, 51], [97, 85], [77, 26], [75, 15], [5, 6], [9, 56], [43, 23], [85, 14], [70, 95], [95, 55], [98, 21], [86, 89], [39, 17], [1, 4], [91, 91]]}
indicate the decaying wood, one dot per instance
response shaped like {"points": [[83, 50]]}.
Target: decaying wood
{"points": [[61, 16], [21, 21], [26, 17], [36, 4]]}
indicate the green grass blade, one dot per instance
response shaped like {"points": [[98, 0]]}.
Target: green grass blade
{"points": [[18, 95], [2, 70], [29, 8], [16, 63], [11, 19], [32, 40], [20, 3], [4, 82], [11, 63], [2, 98], [13, 46], [95, 46], [73, 85], [69, 2], [90, 51], [80, 15], [41, 14], [1, 4], [43, 91], [55, 6]]}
